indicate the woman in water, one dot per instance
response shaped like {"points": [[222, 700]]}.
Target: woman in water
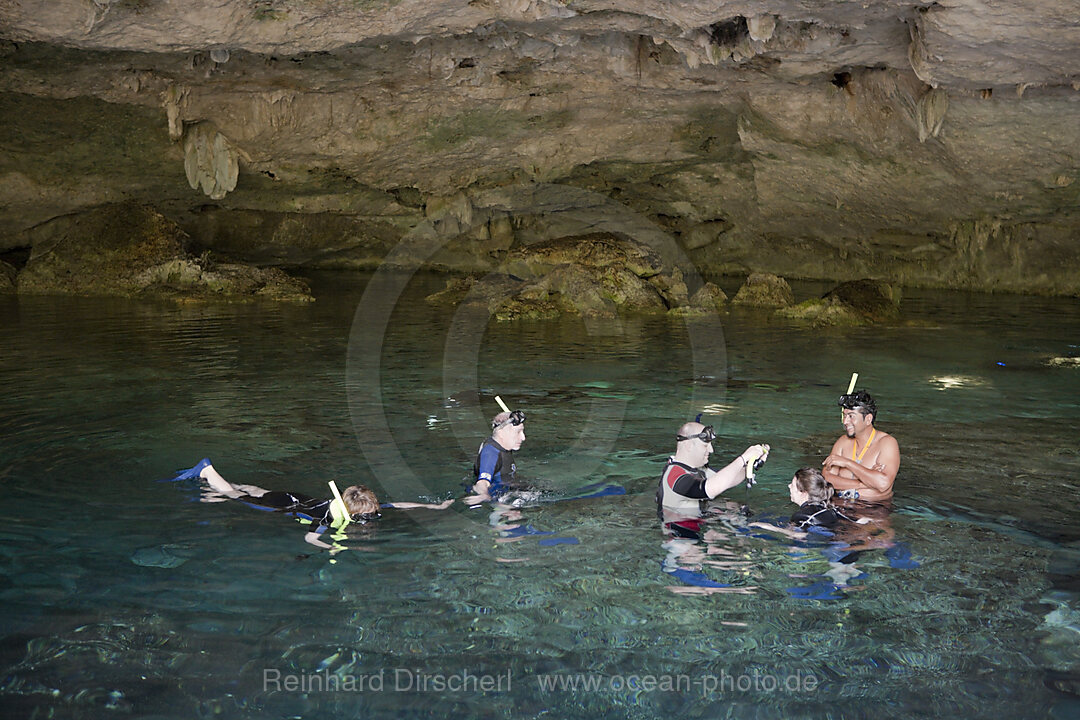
{"points": [[809, 490]]}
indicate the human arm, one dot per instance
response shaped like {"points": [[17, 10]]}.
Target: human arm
{"points": [[313, 537], [783, 531], [486, 468], [413, 505], [717, 481], [873, 482], [481, 494]]}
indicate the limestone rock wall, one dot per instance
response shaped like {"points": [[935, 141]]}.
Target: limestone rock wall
{"points": [[919, 145]]}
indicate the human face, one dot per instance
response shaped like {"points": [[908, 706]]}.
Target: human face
{"points": [[797, 496], [699, 451], [511, 436], [855, 422]]}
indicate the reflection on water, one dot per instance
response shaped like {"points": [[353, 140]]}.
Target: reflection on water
{"points": [[125, 594]]}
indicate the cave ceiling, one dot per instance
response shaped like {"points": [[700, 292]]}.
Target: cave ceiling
{"points": [[922, 143]]}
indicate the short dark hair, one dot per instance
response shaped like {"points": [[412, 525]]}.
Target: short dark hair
{"points": [[859, 400], [810, 481]]}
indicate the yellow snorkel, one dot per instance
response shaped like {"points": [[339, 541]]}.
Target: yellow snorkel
{"points": [[501, 404], [339, 514], [850, 387]]}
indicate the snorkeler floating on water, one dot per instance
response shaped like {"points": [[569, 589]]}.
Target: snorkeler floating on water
{"points": [[356, 504]]}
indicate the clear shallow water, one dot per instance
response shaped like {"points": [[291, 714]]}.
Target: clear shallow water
{"points": [[122, 594]]}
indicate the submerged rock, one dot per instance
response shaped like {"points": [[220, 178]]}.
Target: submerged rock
{"points": [[160, 556], [1064, 362], [130, 250], [764, 290]]}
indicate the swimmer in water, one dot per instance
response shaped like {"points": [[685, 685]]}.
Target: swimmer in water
{"points": [[360, 502], [864, 463], [809, 490], [494, 467], [688, 480]]}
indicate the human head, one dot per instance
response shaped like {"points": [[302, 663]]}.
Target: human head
{"points": [[508, 429], [809, 485], [694, 444], [360, 501], [859, 410]]}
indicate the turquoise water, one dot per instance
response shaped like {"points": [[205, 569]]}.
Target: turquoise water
{"points": [[126, 595]]}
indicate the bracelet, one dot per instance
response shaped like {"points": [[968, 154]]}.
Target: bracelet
{"points": [[744, 462]]}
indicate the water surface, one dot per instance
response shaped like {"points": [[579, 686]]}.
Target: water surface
{"points": [[125, 594]]}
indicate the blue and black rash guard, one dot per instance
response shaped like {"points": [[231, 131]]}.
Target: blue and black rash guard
{"points": [[495, 464]]}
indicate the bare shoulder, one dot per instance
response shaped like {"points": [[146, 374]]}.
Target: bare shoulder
{"points": [[888, 440]]}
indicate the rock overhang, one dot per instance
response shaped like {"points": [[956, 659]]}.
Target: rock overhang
{"points": [[814, 139]]}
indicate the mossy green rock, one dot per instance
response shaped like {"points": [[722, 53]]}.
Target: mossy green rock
{"points": [[595, 250], [822, 312], [764, 290], [132, 250], [592, 275], [859, 302], [873, 299], [709, 297]]}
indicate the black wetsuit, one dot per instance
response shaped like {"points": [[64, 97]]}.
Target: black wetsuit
{"points": [[811, 513], [304, 507]]}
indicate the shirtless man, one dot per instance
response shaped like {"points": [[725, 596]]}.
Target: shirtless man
{"points": [[866, 460]]}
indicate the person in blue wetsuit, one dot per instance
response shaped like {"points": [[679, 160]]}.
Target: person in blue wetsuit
{"points": [[360, 502], [494, 467]]}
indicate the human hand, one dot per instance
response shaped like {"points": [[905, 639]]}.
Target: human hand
{"points": [[835, 461], [755, 452], [445, 504]]}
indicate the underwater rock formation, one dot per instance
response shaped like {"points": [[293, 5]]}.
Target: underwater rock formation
{"points": [[132, 250]]}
